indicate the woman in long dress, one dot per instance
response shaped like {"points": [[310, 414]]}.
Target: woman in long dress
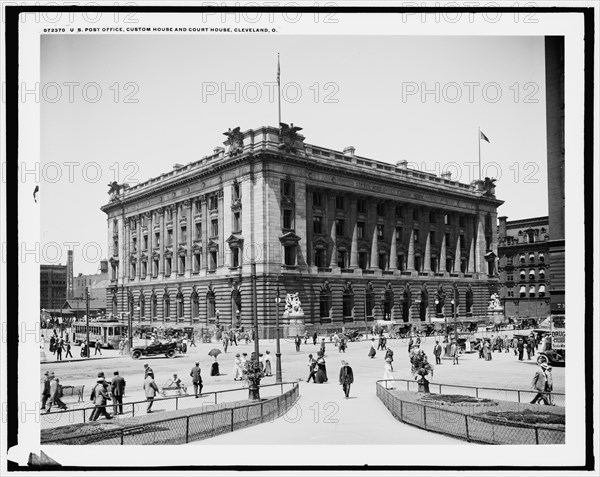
{"points": [[321, 371], [372, 351], [387, 371], [268, 371], [237, 368]]}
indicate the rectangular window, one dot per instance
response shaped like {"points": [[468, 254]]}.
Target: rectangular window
{"points": [[287, 219], [212, 260], [134, 244], [381, 209], [416, 235], [319, 257], [401, 263], [157, 239], [341, 259], [317, 224], [339, 202], [169, 237], [181, 264], [382, 262], [362, 260], [462, 241], [287, 189], [399, 211], [213, 203], [461, 221], [361, 206], [144, 269], [415, 214], [290, 255], [116, 248], [399, 234], [360, 228], [183, 237], [510, 277], [317, 199], [198, 232], [237, 222], [432, 217], [155, 267], [380, 231], [339, 227], [447, 237], [196, 262], [432, 237], [214, 227], [198, 207], [235, 257], [167, 267], [446, 219], [236, 191], [509, 260]]}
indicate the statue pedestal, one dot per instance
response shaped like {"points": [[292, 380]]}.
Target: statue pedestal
{"points": [[495, 316], [295, 326]]}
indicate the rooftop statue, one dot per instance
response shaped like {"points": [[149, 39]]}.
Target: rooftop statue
{"points": [[288, 135], [235, 141]]}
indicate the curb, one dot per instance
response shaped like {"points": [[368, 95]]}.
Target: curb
{"points": [[78, 359]]}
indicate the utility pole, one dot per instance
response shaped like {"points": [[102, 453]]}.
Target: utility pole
{"points": [[278, 378], [87, 322], [255, 307]]}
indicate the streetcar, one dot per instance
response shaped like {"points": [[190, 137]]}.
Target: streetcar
{"points": [[108, 333]]}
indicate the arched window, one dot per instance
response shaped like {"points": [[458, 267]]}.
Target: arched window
{"points": [[142, 306], [531, 257], [541, 257], [167, 306], [542, 273], [522, 274], [370, 302], [325, 303], [348, 302], [195, 305], [153, 306], [532, 291], [522, 258], [211, 304], [531, 274], [179, 302], [542, 290], [522, 292]]}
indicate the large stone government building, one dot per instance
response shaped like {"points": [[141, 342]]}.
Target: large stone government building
{"points": [[359, 240]]}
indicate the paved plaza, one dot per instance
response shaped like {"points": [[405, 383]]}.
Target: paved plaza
{"points": [[322, 415]]}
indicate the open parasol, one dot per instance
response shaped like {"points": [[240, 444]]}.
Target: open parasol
{"points": [[214, 352]]}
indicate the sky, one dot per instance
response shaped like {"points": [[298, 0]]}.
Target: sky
{"points": [[129, 107]]}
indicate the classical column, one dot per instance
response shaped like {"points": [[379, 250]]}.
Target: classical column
{"points": [[309, 228], [122, 251], [163, 235], [372, 218], [330, 222], [139, 248], [427, 260], [393, 252], [442, 257], [189, 227], [457, 253], [354, 224], [410, 265], [391, 224], [205, 226], [480, 245], [221, 216], [127, 245]]}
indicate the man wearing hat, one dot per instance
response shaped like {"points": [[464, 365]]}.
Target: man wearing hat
{"points": [[100, 397], [147, 371], [55, 395], [346, 377], [46, 389], [542, 383], [196, 379]]}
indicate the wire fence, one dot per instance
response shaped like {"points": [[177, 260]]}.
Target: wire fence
{"points": [[207, 401], [189, 428], [473, 428], [513, 395]]}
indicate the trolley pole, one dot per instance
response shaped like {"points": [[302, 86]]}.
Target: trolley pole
{"points": [[255, 308], [87, 322]]}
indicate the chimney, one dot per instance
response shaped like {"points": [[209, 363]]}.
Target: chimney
{"points": [[349, 151], [502, 226]]}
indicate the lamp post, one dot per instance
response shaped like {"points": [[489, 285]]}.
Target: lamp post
{"points": [[217, 313], [278, 378], [454, 317]]}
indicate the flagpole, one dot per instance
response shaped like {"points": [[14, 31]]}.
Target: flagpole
{"points": [[479, 144], [278, 89]]}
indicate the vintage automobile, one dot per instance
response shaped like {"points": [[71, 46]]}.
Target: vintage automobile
{"points": [[353, 335], [552, 357], [168, 349]]}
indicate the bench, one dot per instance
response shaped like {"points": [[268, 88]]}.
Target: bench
{"points": [[68, 391]]}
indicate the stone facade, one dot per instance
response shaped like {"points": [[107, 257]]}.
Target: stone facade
{"points": [[359, 240]]}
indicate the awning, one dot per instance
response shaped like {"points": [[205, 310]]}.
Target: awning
{"points": [[542, 289], [522, 289]]}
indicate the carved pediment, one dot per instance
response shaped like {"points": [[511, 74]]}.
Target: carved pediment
{"points": [[289, 238], [235, 240]]}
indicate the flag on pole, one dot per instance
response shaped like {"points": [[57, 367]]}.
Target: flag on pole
{"points": [[484, 137]]}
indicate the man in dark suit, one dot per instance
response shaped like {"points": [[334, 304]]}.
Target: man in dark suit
{"points": [[437, 352], [312, 370], [346, 378], [196, 379], [118, 391], [520, 348]]}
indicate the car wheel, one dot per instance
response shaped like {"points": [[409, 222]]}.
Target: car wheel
{"points": [[170, 353], [542, 359], [136, 354]]}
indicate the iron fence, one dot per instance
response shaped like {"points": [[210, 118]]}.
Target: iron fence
{"points": [[514, 395], [189, 428], [208, 401], [473, 428]]}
